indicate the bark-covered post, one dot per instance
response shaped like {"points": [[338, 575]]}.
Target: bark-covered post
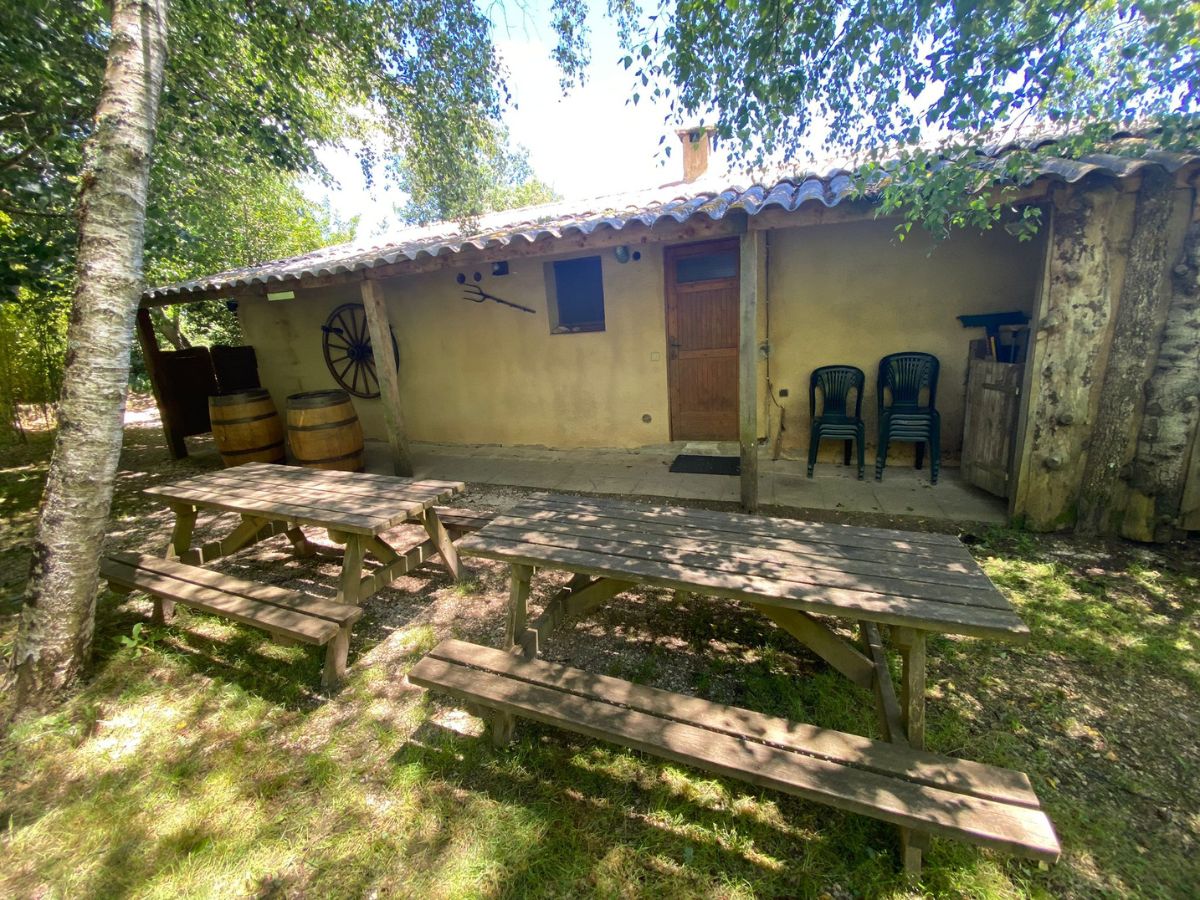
{"points": [[54, 636], [750, 269], [1071, 333], [1137, 328], [1166, 439], [380, 332]]}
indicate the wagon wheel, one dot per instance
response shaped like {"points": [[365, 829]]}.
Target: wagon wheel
{"points": [[346, 341]]}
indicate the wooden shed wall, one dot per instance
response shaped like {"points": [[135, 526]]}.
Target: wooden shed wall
{"points": [[1113, 384]]}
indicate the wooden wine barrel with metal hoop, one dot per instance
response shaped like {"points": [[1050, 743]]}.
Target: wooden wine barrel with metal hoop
{"points": [[246, 427], [324, 431]]}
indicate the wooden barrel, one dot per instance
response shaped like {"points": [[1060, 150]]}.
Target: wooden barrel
{"points": [[323, 431], [246, 427]]}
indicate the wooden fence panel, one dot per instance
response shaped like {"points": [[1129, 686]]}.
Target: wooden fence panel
{"points": [[989, 429]]}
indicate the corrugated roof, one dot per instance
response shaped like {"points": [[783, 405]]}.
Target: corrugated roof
{"points": [[712, 196]]}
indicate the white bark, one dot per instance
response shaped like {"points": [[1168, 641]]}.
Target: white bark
{"points": [[55, 632]]}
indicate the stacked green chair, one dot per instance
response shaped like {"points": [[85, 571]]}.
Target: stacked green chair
{"points": [[836, 383], [902, 378]]}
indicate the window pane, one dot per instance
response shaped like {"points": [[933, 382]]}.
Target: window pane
{"points": [[722, 264], [579, 292]]}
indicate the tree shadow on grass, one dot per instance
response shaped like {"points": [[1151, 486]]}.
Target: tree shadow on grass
{"points": [[682, 830]]}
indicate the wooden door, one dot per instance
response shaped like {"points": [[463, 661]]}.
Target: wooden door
{"points": [[702, 340], [990, 424]]}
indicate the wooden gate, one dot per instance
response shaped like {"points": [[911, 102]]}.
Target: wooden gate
{"points": [[702, 294], [990, 425]]}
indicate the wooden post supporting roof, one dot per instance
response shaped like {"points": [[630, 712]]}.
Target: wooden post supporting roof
{"points": [[1072, 331], [751, 260], [166, 411], [389, 376]]}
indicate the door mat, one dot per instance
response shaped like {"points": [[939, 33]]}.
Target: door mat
{"points": [[691, 464]]}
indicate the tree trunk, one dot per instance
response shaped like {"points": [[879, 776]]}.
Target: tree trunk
{"points": [[1074, 318], [169, 328], [1137, 329], [1159, 471], [55, 632]]}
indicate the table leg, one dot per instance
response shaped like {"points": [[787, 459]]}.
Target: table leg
{"points": [[300, 542], [181, 541], [911, 643], [445, 546], [350, 590], [903, 725], [181, 534], [912, 684], [518, 597]]}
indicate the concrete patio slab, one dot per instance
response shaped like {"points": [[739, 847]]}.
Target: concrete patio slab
{"points": [[904, 491]]}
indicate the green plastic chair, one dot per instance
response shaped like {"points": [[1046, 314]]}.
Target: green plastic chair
{"points": [[836, 383], [903, 377]]}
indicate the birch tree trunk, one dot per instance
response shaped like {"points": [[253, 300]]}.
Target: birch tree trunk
{"points": [[54, 636], [1137, 330]]}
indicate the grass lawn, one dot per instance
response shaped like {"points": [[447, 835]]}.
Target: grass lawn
{"points": [[201, 759]]}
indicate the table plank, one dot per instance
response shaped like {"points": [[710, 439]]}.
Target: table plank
{"points": [[960, 573], [301, 493], [721, 517], [924, 614], [351, 503], [699, 556], [356, 477], [269, 504], [911, 543], [377, 486]]}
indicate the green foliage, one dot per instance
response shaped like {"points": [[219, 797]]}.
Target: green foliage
{"points": [[247, 218], [33, 341], [138, 641], [51, 63], [497, 177], [915, 82], [253, 91]]}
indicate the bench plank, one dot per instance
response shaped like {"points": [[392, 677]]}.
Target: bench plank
{"points": [[922, 767], [1005, 826], [338, 613], [277, 620], [463, 520]]}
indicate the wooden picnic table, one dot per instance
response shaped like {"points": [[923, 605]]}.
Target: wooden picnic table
{"points": [[354, 508], [794, 573]]}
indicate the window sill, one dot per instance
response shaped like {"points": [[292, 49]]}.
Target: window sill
{"points": [[578, 329]]}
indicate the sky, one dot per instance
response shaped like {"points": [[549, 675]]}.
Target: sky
{"points": [[585, 144]]}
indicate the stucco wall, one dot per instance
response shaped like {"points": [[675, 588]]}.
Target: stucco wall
{"points": [[851, 293], [485, 373]]}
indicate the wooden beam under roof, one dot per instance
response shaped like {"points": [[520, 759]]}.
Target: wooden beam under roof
{"points": [[697, 228]]}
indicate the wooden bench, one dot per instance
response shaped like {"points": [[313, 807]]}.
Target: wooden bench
{"points": [[287, 614], [914, 789], [459, 521]]}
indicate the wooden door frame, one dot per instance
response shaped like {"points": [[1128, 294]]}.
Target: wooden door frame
{"points": [[671, 253]]}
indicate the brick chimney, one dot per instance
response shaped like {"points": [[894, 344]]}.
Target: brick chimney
{"points": [[696, 144]]}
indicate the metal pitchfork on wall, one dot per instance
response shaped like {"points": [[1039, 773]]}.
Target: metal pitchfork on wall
{"points": [[476, 294]]}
